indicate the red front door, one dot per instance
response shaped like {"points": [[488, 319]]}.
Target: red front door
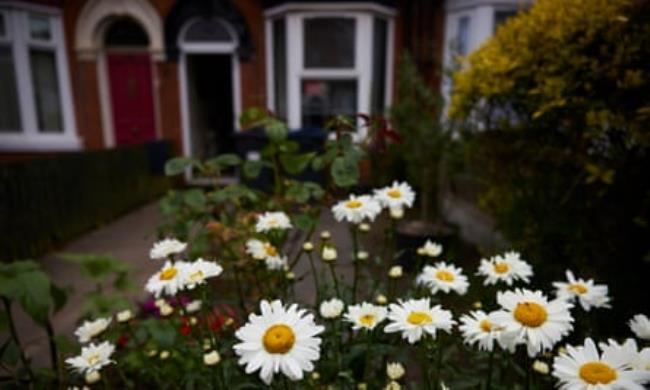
{"points": [[131, 98]]}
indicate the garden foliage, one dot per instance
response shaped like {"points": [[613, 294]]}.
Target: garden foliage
{"points": [[556, 114]]}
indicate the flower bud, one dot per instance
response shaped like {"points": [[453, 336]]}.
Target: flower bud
{"points": [[93, 377], [395, 272], [325, 235], [362, 255], [211, 358], [541, 367], [164, 355], [329, 253], [307, 246], [395, 371], [364, 227], [381, 299], [124, 316], [396, 212]]}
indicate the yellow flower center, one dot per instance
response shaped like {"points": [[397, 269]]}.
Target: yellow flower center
{"points": [[501, 268], [394, 193], [93, 359], [578, 288], [270, 250], [367, 319], [530, 314], [353, 204], [168, 273], [279, 339], [272, 222], [445, 276], [597, 373], [419, 318], [485, 325]]}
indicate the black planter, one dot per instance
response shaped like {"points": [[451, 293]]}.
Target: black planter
{"points": [[408, 240]]}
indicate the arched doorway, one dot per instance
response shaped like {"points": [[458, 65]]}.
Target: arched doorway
{"points": [[129, 78], [209, 74]]}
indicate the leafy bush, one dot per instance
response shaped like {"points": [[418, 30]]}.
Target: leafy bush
{"points": [[557, 116]]}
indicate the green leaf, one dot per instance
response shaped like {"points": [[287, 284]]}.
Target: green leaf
{"points": [[96, 267], [59, 296], [305, 222], [224, 161], [345, 171], [178, 165], [35, 297], [276, 130], [252, 117], [252, 169], [296, 163], [195, 198]]}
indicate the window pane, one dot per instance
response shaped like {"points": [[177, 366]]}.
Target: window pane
{"points": [[9, 113], [46, 91], [126, 32], [280, 67], [207, 30], [323, 99], [39, 27], [463, 35], [329, 43], [380, 31]]}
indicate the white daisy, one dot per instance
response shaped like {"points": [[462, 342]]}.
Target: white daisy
{"points": [[332, 308], [430, 249], [91, 329], [395, 370], [271, 220], [588, 294], [640, 325], [507, 268], [641, 361], [583, 368], [280, 339], [356, 209], [166, 247], [92, 358], [168, 280], [365, 315], [534, 320], [415, 317], [476, 327], [443, 277], [197, 272], [260, 250], [276, 262], [396, 196], [193, 306]]}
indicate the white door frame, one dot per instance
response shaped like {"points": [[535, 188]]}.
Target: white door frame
{"points": [[229, 48]]}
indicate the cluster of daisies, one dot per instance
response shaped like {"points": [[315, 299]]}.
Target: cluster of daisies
{"points": [[262, 248], [359, 208]]}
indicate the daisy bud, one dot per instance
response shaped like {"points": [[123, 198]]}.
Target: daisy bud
{"points": [[152, 353], [93, 377], [307, 246], [166, 310], [193, 321], [541, 367], [164, 355], [395, 272], [229, 321], [332, 308], [193, 306], [381, 299], [315, 376], [421, 251], [396, 212], [206, 345], [395, 371], [124, 316], [329, 253], [325, 235], [211, 358], [477, 305], [362, 386], [362, 255], [290, 275], [364, 227], [160, 302]]}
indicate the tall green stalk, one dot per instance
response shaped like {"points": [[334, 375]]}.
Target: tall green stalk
{"points": [[355, 261], [14, 335]]}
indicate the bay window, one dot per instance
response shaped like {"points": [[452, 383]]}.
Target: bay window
{"points": [[325, 61]]}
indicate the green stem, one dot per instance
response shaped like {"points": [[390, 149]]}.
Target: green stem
{"points": [[54, 352], [528, 368], [334, 278], [14, 335], [315, 275], [488, 382], [366, 367], [355, 260]]}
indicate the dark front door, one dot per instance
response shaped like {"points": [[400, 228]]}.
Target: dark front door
{"points": [[131, 97], [210, 102]]}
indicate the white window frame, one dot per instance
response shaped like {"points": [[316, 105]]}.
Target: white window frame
{"points": [[185, 48], [28, 137], [294, 16]]}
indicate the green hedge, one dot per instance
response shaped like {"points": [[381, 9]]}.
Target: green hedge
{"points": [[47, 201]]}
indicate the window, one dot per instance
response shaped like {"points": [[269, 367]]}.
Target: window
{"points": [[462, 37], [327, 63], [35, 99]]}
